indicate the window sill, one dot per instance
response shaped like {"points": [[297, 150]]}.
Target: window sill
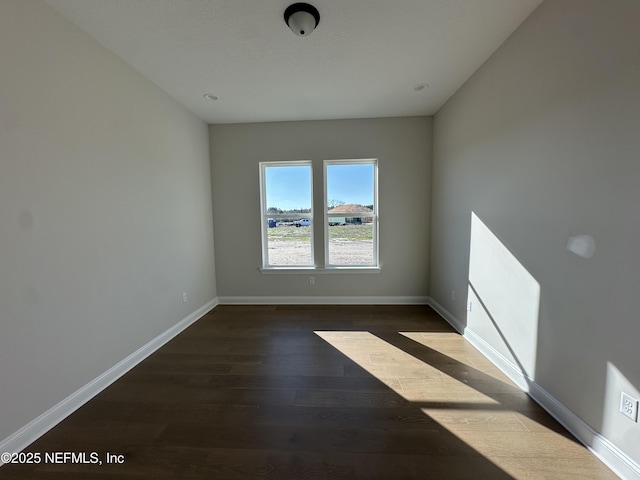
{"points": [[317, 270]]}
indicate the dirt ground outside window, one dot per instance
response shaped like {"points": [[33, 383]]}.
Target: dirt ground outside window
{"points": [[348, 245]]}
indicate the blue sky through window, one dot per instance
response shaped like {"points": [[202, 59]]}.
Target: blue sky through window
{"points": [[350, 183], [289, 188]]}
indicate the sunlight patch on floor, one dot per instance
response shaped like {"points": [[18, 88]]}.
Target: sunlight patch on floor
{"points": [[406, 375]]}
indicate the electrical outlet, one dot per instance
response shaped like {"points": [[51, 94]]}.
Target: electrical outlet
{"points": [[629, 406], [469, 305], [312, 280], [453, 294], [184, 297]]}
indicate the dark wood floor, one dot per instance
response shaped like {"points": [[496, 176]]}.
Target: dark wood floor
{"points": [[340, 392]]}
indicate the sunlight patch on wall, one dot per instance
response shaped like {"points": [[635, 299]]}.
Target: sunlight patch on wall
{"points": [[503, 299]]}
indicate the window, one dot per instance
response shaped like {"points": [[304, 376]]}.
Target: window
{"points": [[350, 201], [287, 214], [351, 213]]}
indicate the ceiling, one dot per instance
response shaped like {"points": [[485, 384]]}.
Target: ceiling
{"points": [[364, 59]]}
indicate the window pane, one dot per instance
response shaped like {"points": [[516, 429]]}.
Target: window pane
{"points": [[288, 189], [288, 244], [351, 241], [287, 215], [351, 213]]}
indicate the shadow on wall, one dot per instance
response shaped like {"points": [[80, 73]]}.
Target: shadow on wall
{"points": [[503, 300]]}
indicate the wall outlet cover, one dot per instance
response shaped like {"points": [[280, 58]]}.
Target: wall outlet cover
{"points": [[629, 406]]}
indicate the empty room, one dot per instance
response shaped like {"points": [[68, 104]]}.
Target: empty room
{"points": [[338, 239]]}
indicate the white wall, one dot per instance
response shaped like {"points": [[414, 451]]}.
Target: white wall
{"points": [[105, 211], [542, 144], [403, 147]]}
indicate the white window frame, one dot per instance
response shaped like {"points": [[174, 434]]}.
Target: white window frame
{"points": [[374, 214], [265, 216]]}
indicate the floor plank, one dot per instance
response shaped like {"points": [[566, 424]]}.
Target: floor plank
{"points": [[314, 392]]}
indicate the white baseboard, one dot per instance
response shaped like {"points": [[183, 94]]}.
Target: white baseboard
{"points": [[607, 452], [507, 367], [49, 419], [329, 300], [448, 316]]}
